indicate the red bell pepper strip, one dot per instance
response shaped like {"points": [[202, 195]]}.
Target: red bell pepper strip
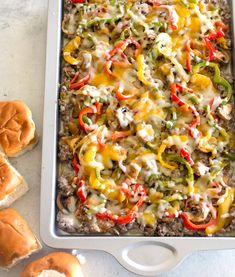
{"points": [[101, 142], [172, 14], [177, 87], [81, 190], [119, 93], [182, 89], [211, 48], [119, 135], [77, 1], [74, 84], [215, 102], [75, 77], [131, 214], [96, 109], [222, 25], [107, 67], [155, 2], [219, 33], [185, 154], [192, 226], [75, 163], [120, 48], [169, 214], [193, 132], [125, 188]]}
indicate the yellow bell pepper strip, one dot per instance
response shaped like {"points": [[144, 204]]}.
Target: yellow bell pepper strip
{"points": [[119, 48], [217, 79], [168, 142], [173, 16], [192, 226], [131, 215], [140, 70], [161, 150], [69, 48], [95, 109], [223, 209], [214, 190], [75, 85], [119, 93], [190, 179]]}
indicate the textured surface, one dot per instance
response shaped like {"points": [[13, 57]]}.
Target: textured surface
{"points": [[22, 62]]}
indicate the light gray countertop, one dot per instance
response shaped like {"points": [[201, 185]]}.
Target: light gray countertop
{"points": [[22, 64]]}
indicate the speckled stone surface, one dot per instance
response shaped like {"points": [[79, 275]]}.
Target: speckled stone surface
{"points": [[22, 63]]}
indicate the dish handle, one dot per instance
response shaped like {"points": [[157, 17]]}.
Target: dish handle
{"points": [[148, 258]]}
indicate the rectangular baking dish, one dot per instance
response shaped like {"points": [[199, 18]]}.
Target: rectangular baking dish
{"points": [[147, 256]]}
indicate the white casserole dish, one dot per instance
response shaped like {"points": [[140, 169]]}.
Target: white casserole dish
{"points": [[147, 256]]}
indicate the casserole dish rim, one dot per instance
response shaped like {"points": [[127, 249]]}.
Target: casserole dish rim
{"points": [[119, 246]]}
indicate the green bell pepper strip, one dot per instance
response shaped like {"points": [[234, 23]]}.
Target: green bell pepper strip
{"points": [[171, 123], [174, 197], [111, 19], [217, 169], [228, 155], [217, 79], [211, 121], [190, 179], [97, 21]]}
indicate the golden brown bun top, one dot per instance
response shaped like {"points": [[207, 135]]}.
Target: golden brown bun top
{"points": [[16, 238], [17, 129], [62, 262], [8, 178]]}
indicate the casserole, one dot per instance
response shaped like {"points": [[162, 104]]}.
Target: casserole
{"points": [[168, 248]]}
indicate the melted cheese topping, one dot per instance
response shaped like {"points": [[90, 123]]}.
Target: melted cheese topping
{"points": [[156, 122]]}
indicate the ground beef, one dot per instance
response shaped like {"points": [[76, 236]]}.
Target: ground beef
{"points": [[65, 223], [64, 186], [230, 228], [64, 153], [91, 225], [65, 110], [124, 228], [172, 228]]}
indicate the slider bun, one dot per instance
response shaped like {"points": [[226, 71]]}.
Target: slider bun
{"points": [[12, 184], [17, 240], [55, 262], [17, 129]]}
